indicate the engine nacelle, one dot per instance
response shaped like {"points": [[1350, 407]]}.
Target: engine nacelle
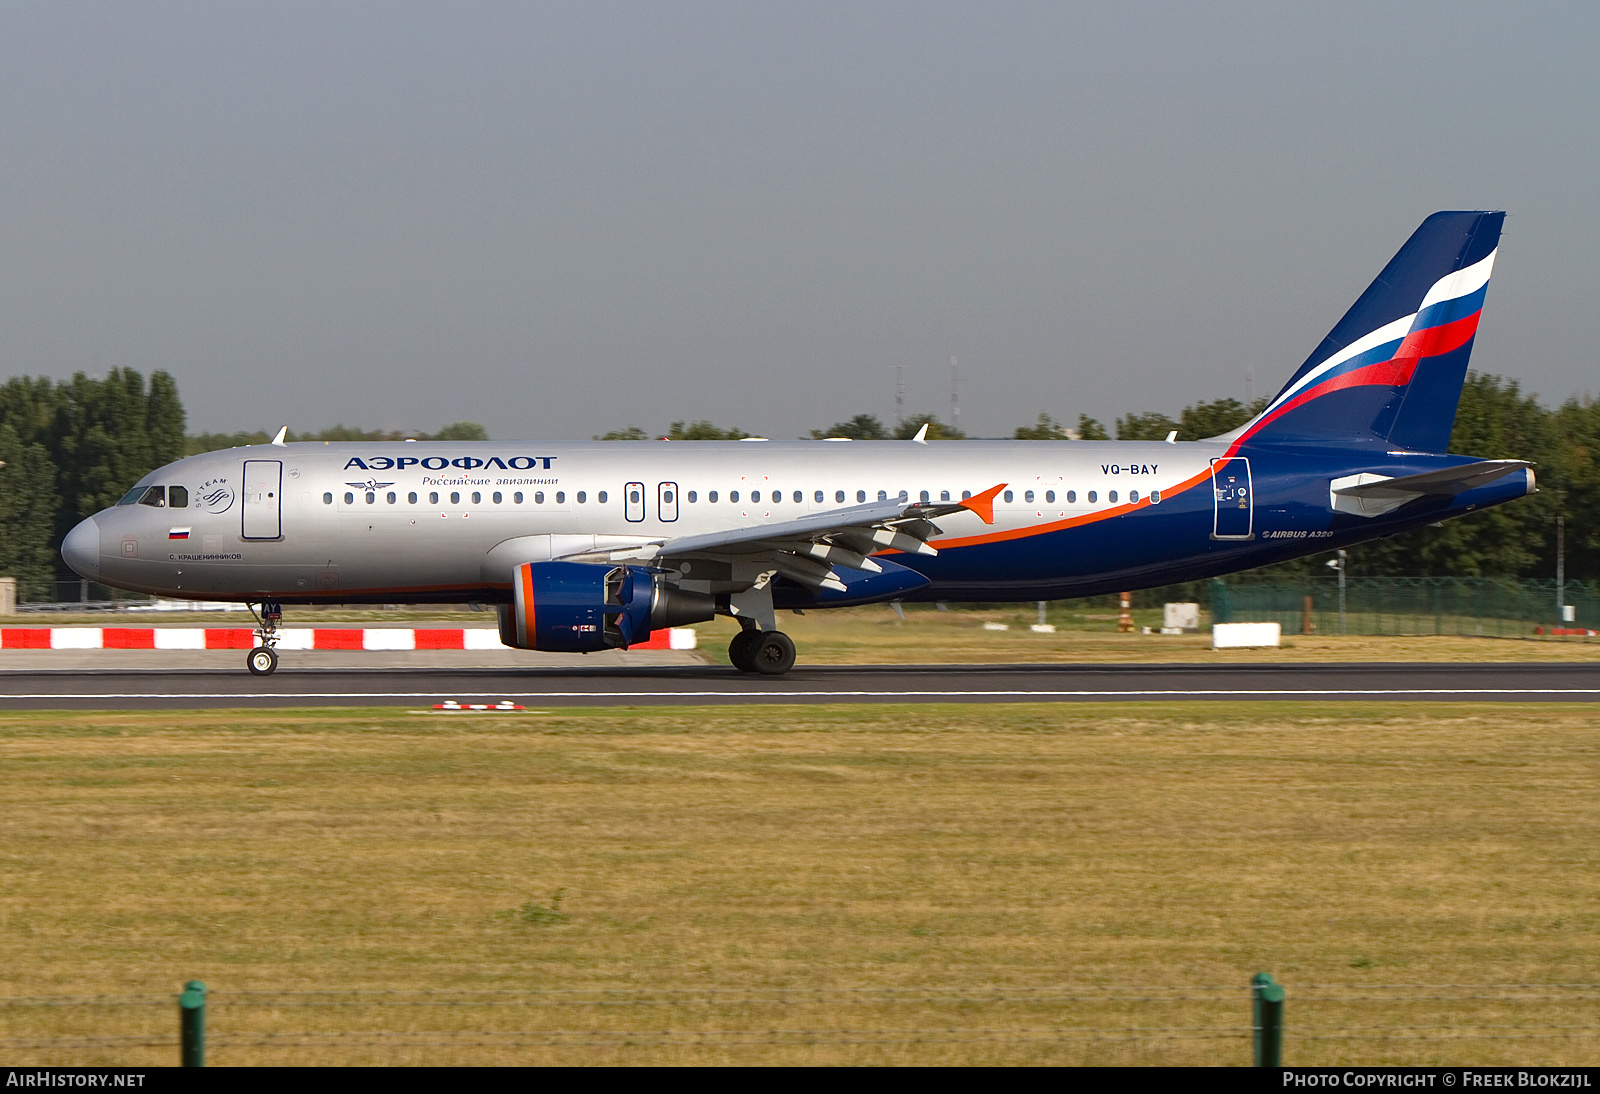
{"points": [[581, 607]]}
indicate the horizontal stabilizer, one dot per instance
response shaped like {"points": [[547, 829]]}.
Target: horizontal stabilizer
{"points": [[1369, 495]]}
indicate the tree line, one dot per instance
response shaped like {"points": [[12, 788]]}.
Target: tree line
{"points": [[70, 448]]}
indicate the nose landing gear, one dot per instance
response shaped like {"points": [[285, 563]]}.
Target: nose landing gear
{"points": [[263, 660]]}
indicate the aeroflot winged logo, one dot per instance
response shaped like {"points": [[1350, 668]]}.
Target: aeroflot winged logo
{"points": [[439, 463]]}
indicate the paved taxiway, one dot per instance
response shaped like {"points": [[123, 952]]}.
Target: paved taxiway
{"points": [[678, 685]]}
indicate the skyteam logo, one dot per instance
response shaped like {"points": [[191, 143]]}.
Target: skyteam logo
{"points": [[439, 463], [216, 496]]}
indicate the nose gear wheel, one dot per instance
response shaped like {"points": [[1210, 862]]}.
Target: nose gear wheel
{"points": [[263, 660]]}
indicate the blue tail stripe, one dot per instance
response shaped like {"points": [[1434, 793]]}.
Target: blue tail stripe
{"points": [[1448, 311]]}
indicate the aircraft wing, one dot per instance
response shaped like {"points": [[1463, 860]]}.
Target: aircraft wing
{"points": [[807, 549]]}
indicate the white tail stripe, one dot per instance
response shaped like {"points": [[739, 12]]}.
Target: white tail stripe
{"points": [[1461, 283]]}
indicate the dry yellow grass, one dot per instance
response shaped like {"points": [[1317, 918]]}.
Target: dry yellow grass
{"points": [[1154, 850]]}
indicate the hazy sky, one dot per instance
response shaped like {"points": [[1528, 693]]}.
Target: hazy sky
{"points": [[560, 219]]}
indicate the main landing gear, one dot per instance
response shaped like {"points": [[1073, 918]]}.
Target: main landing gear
{"points": [[770, 653], [263, 660]]}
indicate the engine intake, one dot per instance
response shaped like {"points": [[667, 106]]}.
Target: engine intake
{"points": [[581, 607]]}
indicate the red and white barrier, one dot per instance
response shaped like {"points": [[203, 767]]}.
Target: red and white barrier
{"points": [[289, 638]]}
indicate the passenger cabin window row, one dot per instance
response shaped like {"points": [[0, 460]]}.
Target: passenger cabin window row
{"points": [[177, 497]]}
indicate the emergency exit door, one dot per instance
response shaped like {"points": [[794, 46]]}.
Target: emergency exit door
{"points": [[633, 501], [1233, 501], [263, 499], [667, 501]]}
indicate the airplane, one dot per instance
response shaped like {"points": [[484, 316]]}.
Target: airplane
{"points": [[584, 547]]}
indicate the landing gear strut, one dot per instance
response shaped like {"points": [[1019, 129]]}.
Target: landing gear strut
{"points": [[770, 653], [263, 660]]}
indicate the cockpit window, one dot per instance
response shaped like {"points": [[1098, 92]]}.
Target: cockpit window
{"points": [[177, 497], [156, 496], [132, 496]]}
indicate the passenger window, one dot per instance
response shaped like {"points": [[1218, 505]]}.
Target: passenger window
{"points": [[1092, 497], [371, 497], [1008, 495], [819, 495], [412, 497], [799, 497], [965, 494], [433, 497], [924, 495], [755, 495], [155, 496], [944, 495], [178, 497], [1155, 497], [327, 499], [516, 498], [455, 497], [712, 497], [583, 497], [1072, 497], [1028, 496], [601, 497], [1133, 495], [733, 496], [538, 497], [1050, 496], [561, 497], [883, 495], [861, 495], [498, 497], [477, 498], [392, 497], [693, 497], [904, 496], [349, 498], [634, 497], [838, 496], [1112, 497]]}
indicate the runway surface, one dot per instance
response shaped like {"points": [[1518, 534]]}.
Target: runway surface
{"points": [[157, 689]]}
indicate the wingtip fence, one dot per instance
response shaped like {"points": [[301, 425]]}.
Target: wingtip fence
{"points": [[749, 1017]]}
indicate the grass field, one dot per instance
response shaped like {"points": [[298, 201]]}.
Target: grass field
{"points": [[1006, 880]]}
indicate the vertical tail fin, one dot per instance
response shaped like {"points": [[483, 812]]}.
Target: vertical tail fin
{"points": [[1390, 373]]}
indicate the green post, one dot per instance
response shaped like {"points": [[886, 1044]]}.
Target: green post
{"points": [[1266, 1014], [192, 1023]]}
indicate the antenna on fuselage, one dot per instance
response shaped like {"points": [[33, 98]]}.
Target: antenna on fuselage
{"points": [[279, 439]]}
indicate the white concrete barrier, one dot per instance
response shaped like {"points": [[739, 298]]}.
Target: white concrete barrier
{"points": [[1230, 636], [683, 638], [373, 638], [75, 638], [180, 638]]}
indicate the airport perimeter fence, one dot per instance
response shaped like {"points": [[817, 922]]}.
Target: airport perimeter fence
{"points": [[1262, 1023], [1489, 607]]}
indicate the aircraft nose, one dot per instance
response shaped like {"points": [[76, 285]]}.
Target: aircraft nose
{"points": [[81, 549]]}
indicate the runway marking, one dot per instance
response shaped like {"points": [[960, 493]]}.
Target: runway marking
{"points": [[1186, 693]]}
